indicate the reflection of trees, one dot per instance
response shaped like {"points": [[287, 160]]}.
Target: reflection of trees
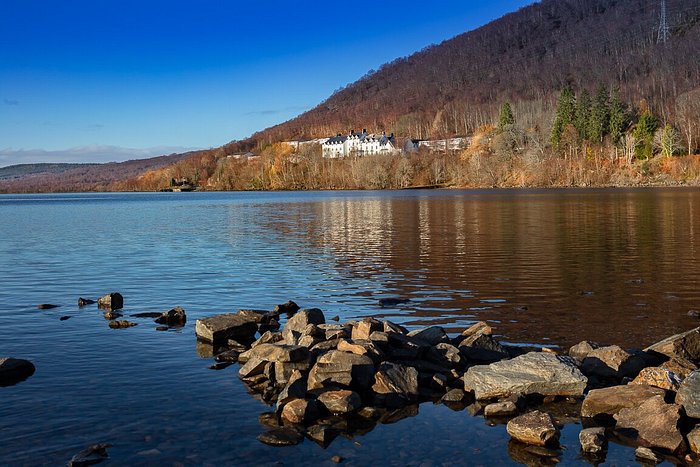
{"points": [[541, 250]]}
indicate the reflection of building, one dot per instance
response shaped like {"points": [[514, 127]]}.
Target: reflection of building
{"points": [[358, 144]]}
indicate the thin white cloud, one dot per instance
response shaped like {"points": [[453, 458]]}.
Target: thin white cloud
{"points": [[84, 154]]}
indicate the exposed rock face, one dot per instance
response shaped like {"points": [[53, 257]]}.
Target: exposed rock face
{"points": [[593, 440], [658, 377], [535, 428], [300, 411], [432, 335], [281, 437], [609, 401], [501, 409], [218, 329], [680, 366], [685, 345], [14, 370], [367, 348], [582, 349], [91, 455], [654, 422], [341, 401], [341, 368], [611, 362], [533, 373], [297, 324], [112, 301], [483, 348], [689, 394], [365, 328], [174, 317], [85, 301], [277, 352]]}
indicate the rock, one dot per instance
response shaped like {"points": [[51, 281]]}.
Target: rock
{"points": [[393, 381], [449, 354], [90, 456], [689, 394], [658, 377], [283, 371], [694, 313], [300, 411], [337, 459], [593, 440], [309, 341], [389, 302], [335, 318], [218, 329], [680, 367], [646, 454], [341, 401], [582, 349], [535, 428], [358, 347], [294, 389], [279, 353], [483, 348], [110, 315], [694, 440], [257, 316], [609, 401], [64, 318], [281, 437], [15, 370], [220, 365], [174, 317], [432, 335], [253, 367], [47, 306], [611, 362], [480, 328], [363, 329], [229, 356], [147, 315], [322, 434], [389, 327], [336, 331], [85, 301], [297, 324], [288, 308], [533, 373], [123, 324], [342, 368], [454, 395], [654, 422], [501, 409], [268, 337], [112, 301], [685, 345]]}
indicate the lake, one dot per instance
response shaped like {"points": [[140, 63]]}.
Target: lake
{"points": [[543, 267]]}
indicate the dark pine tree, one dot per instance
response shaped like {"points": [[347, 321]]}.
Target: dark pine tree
{"points": [[566, 110]]}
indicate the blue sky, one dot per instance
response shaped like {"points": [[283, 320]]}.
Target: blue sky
{"points": [[82, 80]]}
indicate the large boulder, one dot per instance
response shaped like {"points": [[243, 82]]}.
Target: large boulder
{"points": [[433, 335], [112, 301], [341, 401], [219, 329], [611, 362], [483, 348], [582, 349], [297, 324], [14, 370], [654, 423], [533, 373], [363, 329], [685, 345], [288, 308], [300, 411], [689, 394], [279, 353], [534, 428], [609, 401], [397, 380], [593, 440], [658, 377], [341, 368]]}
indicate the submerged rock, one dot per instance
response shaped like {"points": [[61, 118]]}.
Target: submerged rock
{"points": [[654, 422], [123, 324], [535, 428], [501, 409], [85, 302], [173, 317], [647, 455], [609, 401], [593, 440], [533, 373], [281, 437], [90, 456], [147, 315], [15, 370], [112, 301], [218, 329], [387, 302], [47, 306]]}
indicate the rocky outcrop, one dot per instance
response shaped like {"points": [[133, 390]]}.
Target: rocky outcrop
{"points": [[15, 370], [535, 428], [173, 317], [533, 373], [609, 401], [111, 301], [219, 329]]}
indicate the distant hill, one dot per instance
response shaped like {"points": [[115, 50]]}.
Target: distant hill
{"points": [[38, 178]]}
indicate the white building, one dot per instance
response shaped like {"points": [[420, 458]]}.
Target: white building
{"points": [[358, 144]]}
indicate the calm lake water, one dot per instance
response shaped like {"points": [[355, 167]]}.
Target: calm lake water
{"points": [[542, 267]]}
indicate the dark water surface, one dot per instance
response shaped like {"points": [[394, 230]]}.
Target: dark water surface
{"points": [[543, 267]]}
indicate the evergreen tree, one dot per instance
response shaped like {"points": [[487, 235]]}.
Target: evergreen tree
{"points": [[644, 133], [505, 117], [566, 107], [582, 114], [599, 119], [618, 117]]}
